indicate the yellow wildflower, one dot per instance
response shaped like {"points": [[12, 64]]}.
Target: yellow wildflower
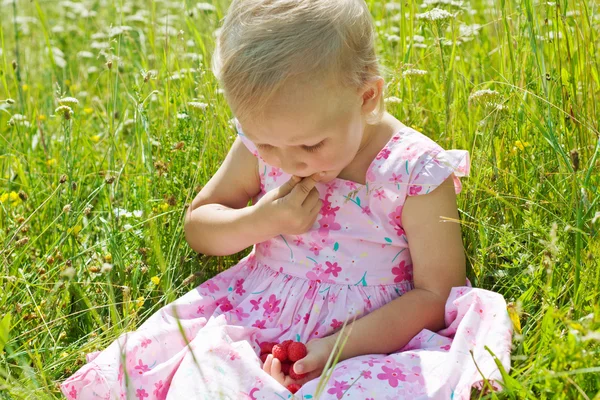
{"points": [[521, 145], [3, 197], [139, 302], [88, 110], [155, 280], [51, 162], [95, 138], [25, 87], [42, 117], [164, 207], [75, 229]]}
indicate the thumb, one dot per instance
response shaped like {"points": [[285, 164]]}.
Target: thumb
{"points": [[306, 364]]}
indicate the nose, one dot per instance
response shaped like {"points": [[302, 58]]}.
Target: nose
{"points": [[292, 164]]}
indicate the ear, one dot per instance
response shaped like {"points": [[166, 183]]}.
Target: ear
{"points": [[370, 94]]}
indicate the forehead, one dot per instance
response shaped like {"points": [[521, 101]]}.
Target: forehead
{"points": [[298, 114]]}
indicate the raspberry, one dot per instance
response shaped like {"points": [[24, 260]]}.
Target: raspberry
{"points": [[263, 357], [293, 387], [296, 351], [266, 347], [280, 352], [286, 343], [295, 375], [286, 367]]}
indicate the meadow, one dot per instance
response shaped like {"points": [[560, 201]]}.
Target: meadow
{"points": [[111, 121]]}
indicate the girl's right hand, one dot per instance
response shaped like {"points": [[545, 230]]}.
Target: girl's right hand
{"points": [[293, 207]]}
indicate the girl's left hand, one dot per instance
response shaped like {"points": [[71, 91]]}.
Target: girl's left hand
{"points": [[317, 353]]}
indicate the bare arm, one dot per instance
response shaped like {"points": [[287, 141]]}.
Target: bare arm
{"points": [[218, 222], [390, 327]]}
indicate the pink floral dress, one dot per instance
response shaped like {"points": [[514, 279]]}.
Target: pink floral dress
{"points": [[355, 259]]}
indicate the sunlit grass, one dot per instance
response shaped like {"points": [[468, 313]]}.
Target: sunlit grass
{"points": [[91, 207]]}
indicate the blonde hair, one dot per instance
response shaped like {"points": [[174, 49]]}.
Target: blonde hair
{"points": [[263, 44]]}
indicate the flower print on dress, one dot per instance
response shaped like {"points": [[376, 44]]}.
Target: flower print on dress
{"points": [[315, 247], [239, 287], [224, 304], [275, 173], [384, 153], [271, 305], [403, 272], [327, 223], [326, 209], [210, 285], [339, 388], [332, 268], [393, 375], [396, 220]]}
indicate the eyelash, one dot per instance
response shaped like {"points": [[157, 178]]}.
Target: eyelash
{"points": [[310, 149]]}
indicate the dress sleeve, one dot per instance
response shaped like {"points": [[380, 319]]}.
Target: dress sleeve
{"points": [[434, 167], [247, 142]]}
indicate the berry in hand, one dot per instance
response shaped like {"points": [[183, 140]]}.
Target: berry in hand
{"points": [[293, 387], [296, 351], [280, 352], [266, 347]]}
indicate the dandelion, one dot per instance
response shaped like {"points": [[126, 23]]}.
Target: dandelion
{"points": [[437, 14], [414, 72], [155, 280], [75, 230], [481, 96], [66, 112], [68, 101]]}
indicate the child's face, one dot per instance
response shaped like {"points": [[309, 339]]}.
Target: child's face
{"points": [[310, 131]]}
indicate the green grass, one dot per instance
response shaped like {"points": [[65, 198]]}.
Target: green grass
{"points": [[134, 143]]}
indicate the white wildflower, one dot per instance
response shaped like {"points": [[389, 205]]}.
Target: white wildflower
{"points": [[393, 38], [182, 116], [419, 38], [92, 70], [413, 72], [420, 45], [68, 101], [483, 95], [393, 100], [205, 7], [138, 213], [197, 106], [127, 227], [69, 273], [596, 217], [469, 30], [99, 45], [453, 3], [85, 54], [121, 212], [392, 6], [106, 267], [136, 18], [437, 14], [18, 120], [58, 29]]}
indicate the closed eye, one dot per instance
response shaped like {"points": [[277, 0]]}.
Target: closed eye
{"points": [[314, 148]]}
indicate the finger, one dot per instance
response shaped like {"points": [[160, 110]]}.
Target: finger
{"points": [[287, 187], [314, 212], [302, 189], [312, 198], [267, 364], [305, 365], [276, 371]]}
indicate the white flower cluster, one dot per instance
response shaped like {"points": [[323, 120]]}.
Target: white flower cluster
{"points": [[414, 72], [19, 120], [437, 14], [484, 95]]}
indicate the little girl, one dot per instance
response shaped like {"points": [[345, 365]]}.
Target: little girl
{"points": [[353, 218]]}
